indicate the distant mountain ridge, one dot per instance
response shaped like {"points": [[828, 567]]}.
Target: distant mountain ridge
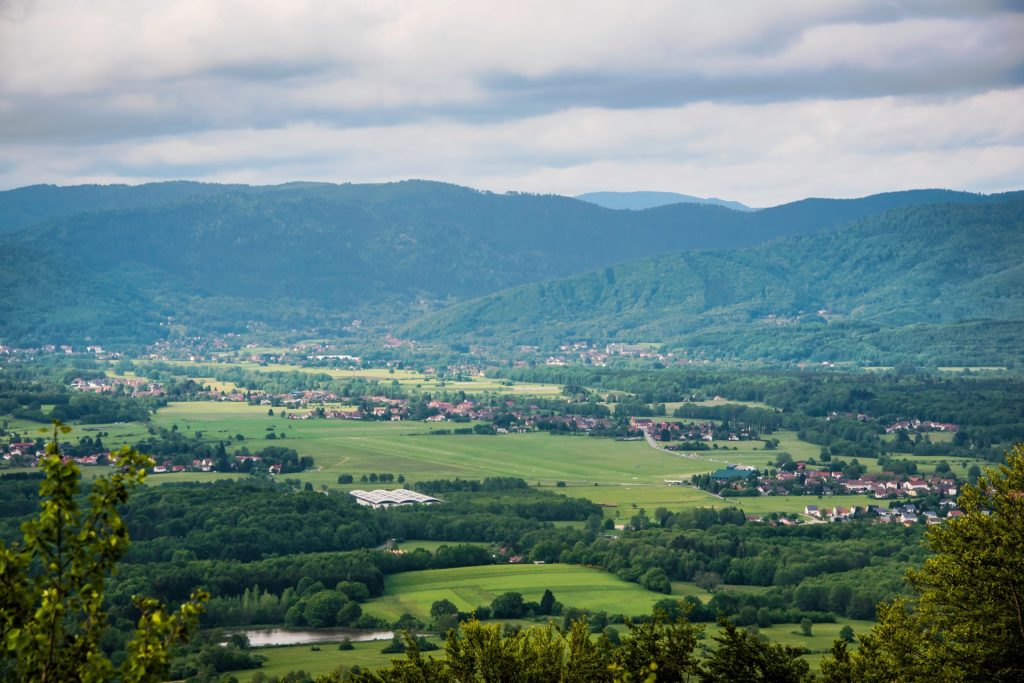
{"points": [[645, 199], [124, 265]]}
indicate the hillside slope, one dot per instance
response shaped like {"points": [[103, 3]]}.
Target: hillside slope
{"points": [[203, 258], [929, 266]]}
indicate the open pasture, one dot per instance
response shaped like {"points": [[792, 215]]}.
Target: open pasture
{"points": [[471, 587], [622, 501], [357, 447], [629, 474]]}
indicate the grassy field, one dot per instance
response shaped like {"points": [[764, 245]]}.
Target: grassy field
{"points": [[621, 499], [281, 660], [358, 447], [405, 378], [819, 642], [629, 474], [470, 587]]}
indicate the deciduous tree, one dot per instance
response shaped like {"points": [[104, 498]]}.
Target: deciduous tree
{"points": [[52, 582], [967, 622]]}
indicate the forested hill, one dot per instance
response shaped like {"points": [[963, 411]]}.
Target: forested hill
{"points": [[119, 263], [27, 206], [940, 280]]}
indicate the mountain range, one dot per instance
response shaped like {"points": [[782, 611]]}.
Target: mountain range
{"points": [[859, 293], [126, 265], [637, 201]]}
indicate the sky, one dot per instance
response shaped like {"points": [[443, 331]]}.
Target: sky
{"points": [[758, 102]]}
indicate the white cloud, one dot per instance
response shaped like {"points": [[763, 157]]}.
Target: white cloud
{"points": [[761, 102]]}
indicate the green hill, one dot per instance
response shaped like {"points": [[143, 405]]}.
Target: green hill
{"points": [[124, 265], [906, 283]]}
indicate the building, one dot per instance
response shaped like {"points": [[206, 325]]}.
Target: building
{"points": [[383, 498]]}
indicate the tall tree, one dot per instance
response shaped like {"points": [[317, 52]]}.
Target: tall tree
{"points": [[967, 622], [51, 583]]}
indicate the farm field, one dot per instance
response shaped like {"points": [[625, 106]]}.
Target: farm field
{"points": [[405, 378], [358, 447], [629, 474], [470, 587], [621, 499]]}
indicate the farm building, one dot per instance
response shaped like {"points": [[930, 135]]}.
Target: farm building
{"points": [[383, 498]]}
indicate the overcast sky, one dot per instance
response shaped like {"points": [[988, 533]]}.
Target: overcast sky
{"points": [[759, 102]]}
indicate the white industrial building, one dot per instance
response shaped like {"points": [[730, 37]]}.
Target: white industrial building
{"points": [[383, 498]]}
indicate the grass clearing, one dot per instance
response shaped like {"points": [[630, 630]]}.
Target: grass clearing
{"points": [[281, 660], [471, 384], [622, 501], [471, 587]]}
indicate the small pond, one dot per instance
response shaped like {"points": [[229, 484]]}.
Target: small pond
{"points": [[261, 637]]}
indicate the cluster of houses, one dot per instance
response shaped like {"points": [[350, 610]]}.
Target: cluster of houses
{"points": [[62, 349], [28, 454], [920, 426], [907, 514], [587, 354], [132, 386], [373, 408], [466, 409], [22, 453], [207, 465], [802, 481], [679, 431], [885, 485]]}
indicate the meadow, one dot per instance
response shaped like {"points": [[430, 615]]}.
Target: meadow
{"points": [[414, 592], [624, 476], [281, 660], [358, 447], [471, 587], [405, 378]]}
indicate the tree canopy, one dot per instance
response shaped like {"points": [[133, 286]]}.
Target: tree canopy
{"points": [[967, 621], [52, 583]]}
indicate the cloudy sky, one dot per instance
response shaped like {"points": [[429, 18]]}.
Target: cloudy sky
{"points": [[760, 102]]}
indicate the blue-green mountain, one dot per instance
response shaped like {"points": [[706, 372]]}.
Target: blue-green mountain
{"points": [[126, 265], [636, 201], [938, 281]]}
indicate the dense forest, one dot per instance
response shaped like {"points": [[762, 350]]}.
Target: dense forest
{"points": [[896, 287], [259, 547], [128, 265]]}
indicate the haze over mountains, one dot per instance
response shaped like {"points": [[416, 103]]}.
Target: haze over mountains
{"points": [[126, 265], [636, 201]]}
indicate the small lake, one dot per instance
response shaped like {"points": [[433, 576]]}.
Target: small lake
{"points": [[262, 637]]}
